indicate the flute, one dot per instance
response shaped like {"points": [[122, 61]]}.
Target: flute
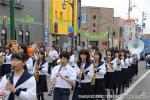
{"points": [[8, 76]]}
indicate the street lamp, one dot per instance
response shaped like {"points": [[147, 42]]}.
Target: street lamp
{"points": [[27, 37], [20, 36], [64, 5], [72, 6], [3, 37]]}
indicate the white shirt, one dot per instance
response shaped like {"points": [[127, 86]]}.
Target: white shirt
{"points": [[112, 68], [30, 84], [87, 77], [44, 69], [101, 72], [67, 71], [123, 64], [71, 60], [29, 64], [8, 59], [126, 62], [53, 55], [115, 64]]}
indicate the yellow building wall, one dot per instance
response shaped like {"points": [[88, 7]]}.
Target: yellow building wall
{"points": [[62, 16]]}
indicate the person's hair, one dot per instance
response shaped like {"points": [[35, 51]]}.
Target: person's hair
{"points": [[109, 50], [54, 47], [42, 53], [84, 52], [18, 55], [116, 51], [64, 54], [24, 47], [70, 53], [100, 55], [8, 48], [123, 50]]}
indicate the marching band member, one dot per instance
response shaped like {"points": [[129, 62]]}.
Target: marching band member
{"points": [[72, 57], [19, 85], [6, 68], [117, 63], [110, 68], [85, 72], [63, 78], [53, 56], [100, 71], [128, 63], [29, 60], [40, 72], [124, 69]]}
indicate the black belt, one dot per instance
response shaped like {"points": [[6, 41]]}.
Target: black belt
{"points": [[57, 88]]}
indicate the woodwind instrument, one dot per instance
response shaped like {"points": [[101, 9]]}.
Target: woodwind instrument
{"points": [[1, 58], [80, 76], [36, 70], [94, 77], [53, 84], [8, 76], [107, 62]]}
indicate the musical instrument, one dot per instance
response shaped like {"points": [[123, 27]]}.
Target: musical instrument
{"points": [[1, 58], [107, 63], [53, 84], [80, 76], [8, 76], [36, 70], [94, 77], [136, 46]]}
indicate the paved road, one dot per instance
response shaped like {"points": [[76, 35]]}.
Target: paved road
{"points": [[140, 91]]}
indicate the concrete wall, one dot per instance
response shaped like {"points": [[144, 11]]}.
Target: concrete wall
{"points": [[33, 8]]}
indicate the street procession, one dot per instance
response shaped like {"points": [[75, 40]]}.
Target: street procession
{"points": [[86, 76], [74, 50]]}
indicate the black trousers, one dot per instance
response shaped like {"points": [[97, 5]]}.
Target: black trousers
{"points": [[61, 94], [81, 92]]}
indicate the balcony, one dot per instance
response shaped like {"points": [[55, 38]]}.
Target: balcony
{"points": [[4, 2], [19, 6]]}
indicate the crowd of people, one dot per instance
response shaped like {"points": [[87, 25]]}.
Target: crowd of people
{"points": [[89, 74]]}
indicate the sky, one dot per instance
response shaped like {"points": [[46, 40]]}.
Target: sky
{"points": [[121, 9]]}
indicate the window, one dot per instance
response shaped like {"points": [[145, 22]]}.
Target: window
{"points": [[94, 16], [83, 18], [61, 15], [18, 2], [94, 31], [56, 14], [94, 25]]}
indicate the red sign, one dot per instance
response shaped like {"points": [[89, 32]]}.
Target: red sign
{"points": [[104, 43], [129, 21]]}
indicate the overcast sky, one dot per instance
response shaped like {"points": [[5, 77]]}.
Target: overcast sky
{"points": [[121, 8]]}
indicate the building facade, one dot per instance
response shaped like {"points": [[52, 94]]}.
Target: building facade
{"points": [[97, 26], [28, 19], [118, 32], [63, 24]]}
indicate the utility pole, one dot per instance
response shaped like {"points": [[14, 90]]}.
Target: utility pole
{"points": [[129, 9], [72, 43], [143, 24], [47, 36], [12, 20]]}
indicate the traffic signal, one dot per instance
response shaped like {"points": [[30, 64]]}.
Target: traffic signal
{"points": [[56, 27]]}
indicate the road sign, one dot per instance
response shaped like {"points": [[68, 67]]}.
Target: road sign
{"points": [[45, 35], [70, 29]]}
